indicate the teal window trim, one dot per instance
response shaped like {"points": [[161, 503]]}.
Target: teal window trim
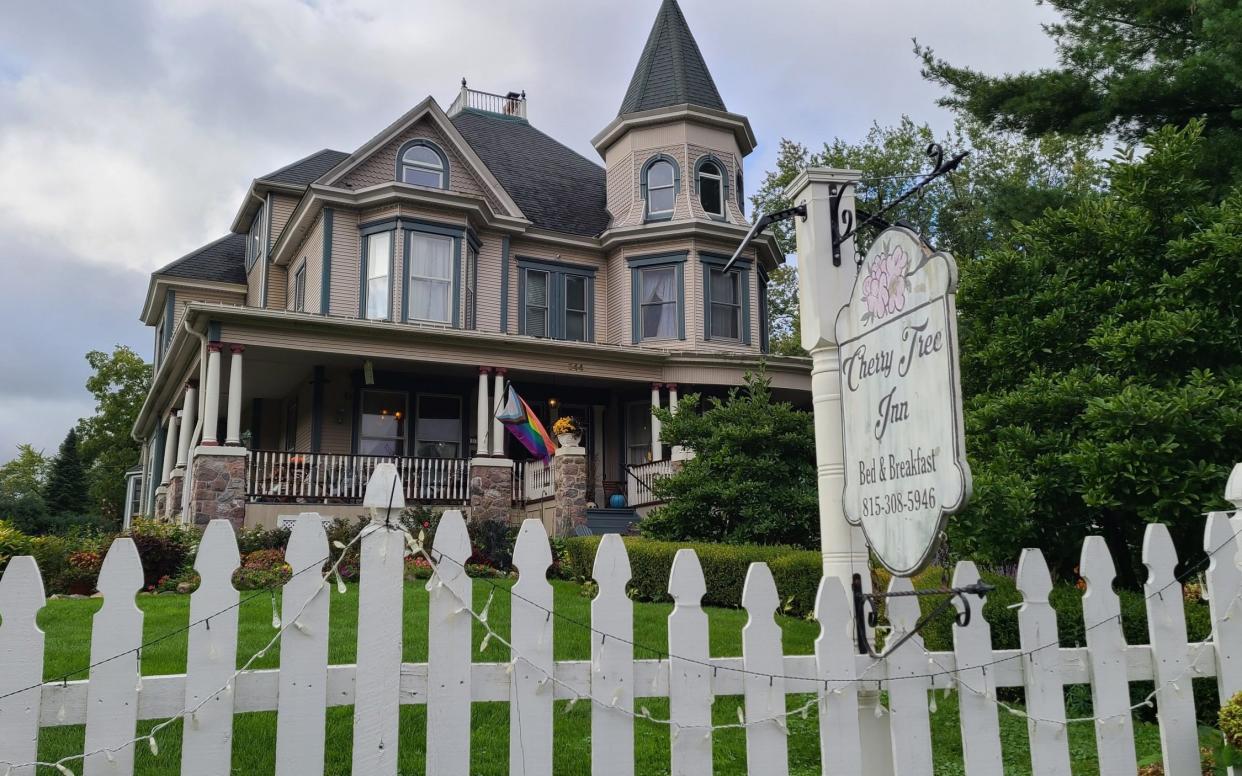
{"points": [[742, 269], [647, 216], [504, 284], [724, 185], [654, 259], [558, 272], [765, 342], [637, 265], [362, 271], [400, 172], [253, 249], [325, 283], [740, 191], [458, 233], [299, 287]]}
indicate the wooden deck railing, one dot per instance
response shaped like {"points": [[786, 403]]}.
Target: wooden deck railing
{"points": [[532, 481], [285, 476]]}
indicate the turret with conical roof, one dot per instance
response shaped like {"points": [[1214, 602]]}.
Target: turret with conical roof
{"points": [[673, 136], [671, 70]]}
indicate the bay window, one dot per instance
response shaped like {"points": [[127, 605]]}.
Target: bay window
{"points": [[657, 285], [377, 262], [556, 299], [726, 299], [430, 289]]}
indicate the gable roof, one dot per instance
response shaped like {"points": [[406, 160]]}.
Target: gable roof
{"points": [[671, 70], [427, 109], [221, 261], [307, 170], [556, 187]]}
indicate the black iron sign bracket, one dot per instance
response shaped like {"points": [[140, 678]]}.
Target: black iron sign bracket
{"points": [[871, 618]]}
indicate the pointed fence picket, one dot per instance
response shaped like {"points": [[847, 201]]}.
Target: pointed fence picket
{"points": [[612, 662], [531, 694], [302, 709], [1166, 628], [1045, 695], [112, 691], [1106, 650], [449, 651], [908, 697], [835, 666], [112, 700], [689, 677], [21, 654], [766, 751], [211, 655], [972, 649]]}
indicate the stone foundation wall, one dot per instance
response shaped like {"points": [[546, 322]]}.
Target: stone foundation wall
{"points": [[161, 502], [176, 487], [569, 478], [219, 489], [491, 492]]}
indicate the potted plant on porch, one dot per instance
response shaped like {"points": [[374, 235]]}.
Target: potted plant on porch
{"points": [[567, 432]]}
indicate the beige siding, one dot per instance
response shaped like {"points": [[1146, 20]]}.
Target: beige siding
{"points": [[381, 166], [620, 188], [311, 252], [182, 296], [732, 214], [620, 301], [487, 295], [254, 285], [282, 208], [346, 264], [277, 286]]}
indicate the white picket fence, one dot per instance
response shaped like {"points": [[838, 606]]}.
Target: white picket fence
{"points": [[113, 699]]}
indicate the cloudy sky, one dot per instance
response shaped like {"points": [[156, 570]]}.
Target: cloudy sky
{"points": [[130, 129]]}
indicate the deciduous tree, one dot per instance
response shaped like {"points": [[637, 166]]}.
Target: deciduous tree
{"points": [[119, 384]]}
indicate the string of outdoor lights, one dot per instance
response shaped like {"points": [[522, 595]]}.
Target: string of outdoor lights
{"points": [[831, 686]]}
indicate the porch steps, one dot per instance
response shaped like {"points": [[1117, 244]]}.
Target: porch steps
{"points": [[605, 521]]}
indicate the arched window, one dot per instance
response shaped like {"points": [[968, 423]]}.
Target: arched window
{"points": [[421, 163], [711, 188], [741, 201], [660, 183]]}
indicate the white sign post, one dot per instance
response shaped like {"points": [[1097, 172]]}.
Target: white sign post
{"points": [[905, 459]]}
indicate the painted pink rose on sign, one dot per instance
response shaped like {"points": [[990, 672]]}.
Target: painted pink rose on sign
{"points": [[884, 287]]}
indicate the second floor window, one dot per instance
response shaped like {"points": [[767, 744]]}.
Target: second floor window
{"points": [[711, 188], [299, 289], [254, 241], [725, 312], [377, 295], [472, 282], [556, 302], [431, 278], [423, 165], [658, 303]]}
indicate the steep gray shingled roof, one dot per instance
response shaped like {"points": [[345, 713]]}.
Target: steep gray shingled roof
{"points": [[556, 188], [671, 70], [306, 171], [223, 261]]}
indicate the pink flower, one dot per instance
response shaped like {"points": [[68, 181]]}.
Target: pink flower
{"points": [[884, 288]]}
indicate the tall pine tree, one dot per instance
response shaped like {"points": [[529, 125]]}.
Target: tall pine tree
{"points": [[66, 490]]}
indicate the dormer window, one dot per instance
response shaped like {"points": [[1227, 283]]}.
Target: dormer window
{"points": [[711, 188], [660, 183], [422, 164], [254, 241]]}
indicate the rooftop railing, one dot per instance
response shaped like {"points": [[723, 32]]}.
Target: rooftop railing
{"points": [[511, 104]]}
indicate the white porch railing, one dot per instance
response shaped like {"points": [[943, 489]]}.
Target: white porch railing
{"points": [[532, 481], [284, 476], [640, 479]]}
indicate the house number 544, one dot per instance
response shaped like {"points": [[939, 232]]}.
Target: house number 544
{"points": [[576, 366]]}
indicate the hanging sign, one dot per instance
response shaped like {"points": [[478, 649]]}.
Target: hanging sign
{"points": [[905, 459]]}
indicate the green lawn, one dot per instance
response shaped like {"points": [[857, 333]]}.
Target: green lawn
{"points": [[67, 623]]}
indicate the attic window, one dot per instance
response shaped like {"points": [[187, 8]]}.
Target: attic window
{"points": [[422, 164]]}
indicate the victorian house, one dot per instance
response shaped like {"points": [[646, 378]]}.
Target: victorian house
{"points": [[375, 305]]}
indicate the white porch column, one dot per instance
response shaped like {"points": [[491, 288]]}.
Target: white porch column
{"points": [[498, 428], [657, 447], [484, 413], [189, 415], [679, 452], [211, 399], [232, 435], [170, 448], [823, 289]]}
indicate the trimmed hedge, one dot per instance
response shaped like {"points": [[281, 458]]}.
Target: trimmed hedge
{"points": [[796, 571]]}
